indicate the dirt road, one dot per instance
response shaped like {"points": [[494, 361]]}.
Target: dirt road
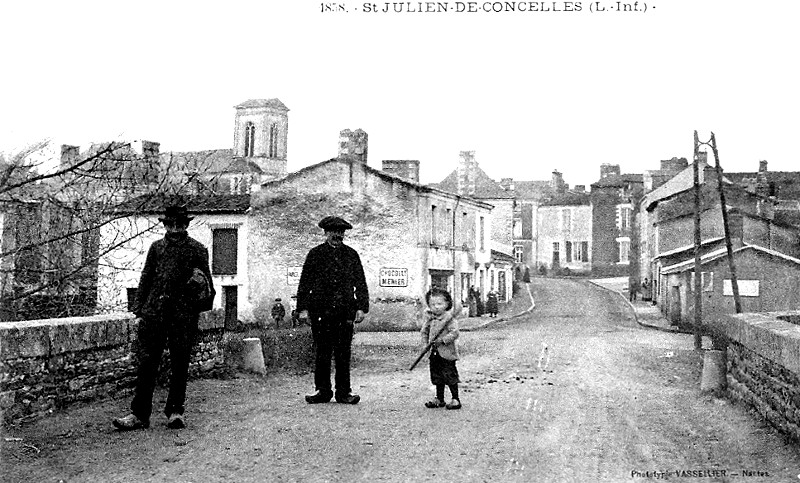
{"points": [[574, 392]]}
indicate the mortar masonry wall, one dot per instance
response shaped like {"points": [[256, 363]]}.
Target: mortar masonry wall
{"points": [[50, 364], [763, 368]]}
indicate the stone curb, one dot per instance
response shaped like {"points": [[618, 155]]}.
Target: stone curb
{"points": [[636, 314], [505, 318]]}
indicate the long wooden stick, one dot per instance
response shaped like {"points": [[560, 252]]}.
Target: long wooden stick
{"points": [[426, 349]]}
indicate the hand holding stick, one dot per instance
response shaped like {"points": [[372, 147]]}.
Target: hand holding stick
{"points": [[427, 348]]}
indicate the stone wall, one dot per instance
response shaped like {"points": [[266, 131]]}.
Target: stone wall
{"points": [[52, 363], [764, 365]]}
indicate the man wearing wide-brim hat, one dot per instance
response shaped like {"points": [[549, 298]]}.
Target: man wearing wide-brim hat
{"points": [[332, 295], [174, 288]]}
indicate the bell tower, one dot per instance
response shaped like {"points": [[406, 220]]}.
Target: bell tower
{"points": [[260, 135]]}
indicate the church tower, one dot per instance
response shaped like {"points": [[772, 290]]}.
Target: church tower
{"points": [[260, 135]]}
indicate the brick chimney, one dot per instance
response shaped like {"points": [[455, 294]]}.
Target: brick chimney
{"points": [[607, 170], [762, 180], [353, 144], [406, 169], [674, 165], [557, 182], [69, 154], [507, 184], [466, 171]]}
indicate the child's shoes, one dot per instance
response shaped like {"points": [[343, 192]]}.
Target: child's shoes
{"points": [[435, 403], [454, 404]]}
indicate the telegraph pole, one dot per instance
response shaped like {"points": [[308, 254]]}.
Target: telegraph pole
{"points": [[698, 286]]}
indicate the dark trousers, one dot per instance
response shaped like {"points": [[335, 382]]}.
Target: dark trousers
{"points": [[173, 329], [332, 336]]}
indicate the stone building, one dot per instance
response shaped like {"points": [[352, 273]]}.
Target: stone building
{"points": [[469, 180], [259, 153], [564, 228], [767, 281], [220, 223], [409, 236]]}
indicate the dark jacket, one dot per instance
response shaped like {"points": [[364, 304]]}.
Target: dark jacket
{"points": [[332, 282], [166, 276], [278, 311]]}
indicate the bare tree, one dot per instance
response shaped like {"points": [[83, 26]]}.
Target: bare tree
{"points": [[53, 210]]}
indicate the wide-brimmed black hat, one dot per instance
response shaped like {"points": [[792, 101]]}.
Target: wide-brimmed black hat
{"points": [[176, 214], [334, 223]]}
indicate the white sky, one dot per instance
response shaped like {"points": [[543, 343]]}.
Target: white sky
{"points": [[529, 92]]}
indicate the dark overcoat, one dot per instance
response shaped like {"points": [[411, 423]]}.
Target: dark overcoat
{"points": [[332, 282], [167, 271]]}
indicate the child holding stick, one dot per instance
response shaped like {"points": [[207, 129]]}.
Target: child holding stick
{"points": [[440, 329]]}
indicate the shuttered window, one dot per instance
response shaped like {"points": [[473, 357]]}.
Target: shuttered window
{"points": [[224, 253]]}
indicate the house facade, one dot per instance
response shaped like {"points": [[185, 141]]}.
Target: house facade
{"points": [[564, 227], [409, 237]]}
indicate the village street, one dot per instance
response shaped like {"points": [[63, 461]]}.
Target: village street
{"points": [[573, 391]]}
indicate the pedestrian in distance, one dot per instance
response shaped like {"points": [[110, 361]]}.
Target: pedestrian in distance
{"points": [[440, 330], [278, 312], [332, 295], [175, 286], [294, 315], [491, 303]]}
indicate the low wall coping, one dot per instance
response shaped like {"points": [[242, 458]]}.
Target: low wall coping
{"points": [[766, 334]]}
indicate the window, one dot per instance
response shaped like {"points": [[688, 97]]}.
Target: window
{"points": [[450, 221], [518, 253], [569, 251], [249, 139], [482, 233], [582, 251], [131, 295], [624, 217], [556, 252], [273, 141], [433, 224], [707, 281], [224, 251], [236, 185], [566, 218], [624, 250]]}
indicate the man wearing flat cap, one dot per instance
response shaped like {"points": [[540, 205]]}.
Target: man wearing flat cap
{"points": [[174, 288], [332, 295]]}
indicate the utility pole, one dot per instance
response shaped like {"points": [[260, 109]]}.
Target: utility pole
{"points": [[734, 282], [698, 285]]}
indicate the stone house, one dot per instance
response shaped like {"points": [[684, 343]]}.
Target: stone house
{"points": [[614, 197], [220, 223], [409, 236], [564, 227], [768, 281]]}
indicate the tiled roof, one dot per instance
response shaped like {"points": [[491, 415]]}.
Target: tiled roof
{"points": [[210, 161], [569, 198], [195, 204], [786, 183], [274, 103], [485, 187], [618, 180], [723, 252], [532, 190]]}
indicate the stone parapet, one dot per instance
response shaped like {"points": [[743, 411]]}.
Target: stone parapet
{"points": [[51, 363], [764, 365]]}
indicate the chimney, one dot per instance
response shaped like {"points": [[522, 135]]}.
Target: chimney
{"points": [[557, 182], [507, 184], [702, 157], [762, 181], [580, 188], [674, 165], [466, 173], [406, 169], [353, 144], [69, 154], [607, 170]]}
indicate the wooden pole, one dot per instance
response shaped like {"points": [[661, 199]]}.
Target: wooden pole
{"points": [[734, 283], [698, 286]]}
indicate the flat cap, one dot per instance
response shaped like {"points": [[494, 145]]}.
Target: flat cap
{"points": [[334, 223]]}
